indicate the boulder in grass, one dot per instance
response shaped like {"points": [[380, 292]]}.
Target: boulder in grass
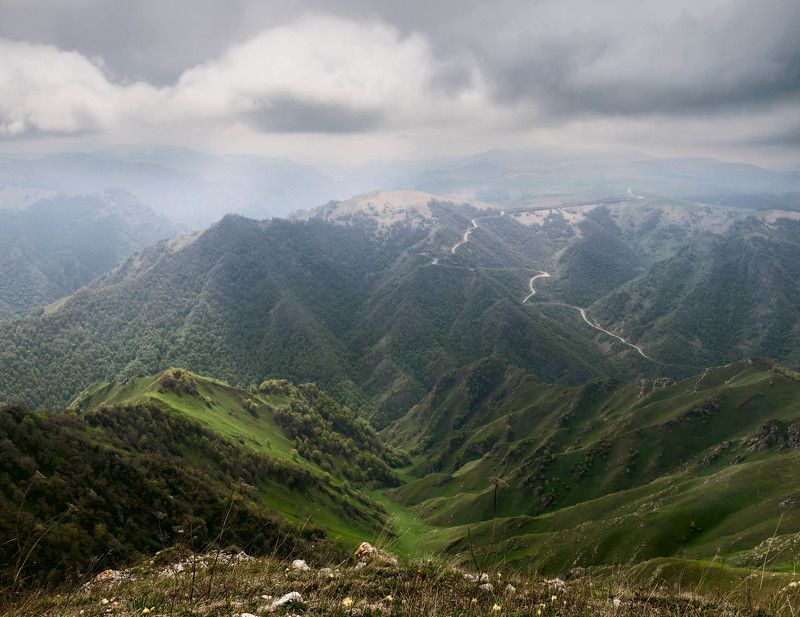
{"points": [[109, 577], [290, 597], [368, 554], [300, 564]]}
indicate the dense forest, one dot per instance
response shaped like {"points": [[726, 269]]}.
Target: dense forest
{"points": [[179, 459], [83, 492], [367, 317]]}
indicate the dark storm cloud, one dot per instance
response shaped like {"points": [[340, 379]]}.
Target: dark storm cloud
{"points": [[742, 55], [140, 39], [729, 67], [286, 114]]}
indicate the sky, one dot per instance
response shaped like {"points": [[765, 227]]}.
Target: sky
{"points": [[357, 80]]}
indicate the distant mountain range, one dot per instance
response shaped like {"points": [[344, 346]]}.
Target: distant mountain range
{"points": [[376, 297], [190, 188], [57, 243], [196, 189]]}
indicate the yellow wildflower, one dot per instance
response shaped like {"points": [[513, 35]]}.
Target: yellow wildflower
{"points": [[389, 598], [347, 602], [497, 608], [104, 601]]}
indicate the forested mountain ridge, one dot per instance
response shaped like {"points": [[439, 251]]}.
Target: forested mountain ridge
{"points": [[377, 297], [367, 316], [725, 295], [53, 246]]}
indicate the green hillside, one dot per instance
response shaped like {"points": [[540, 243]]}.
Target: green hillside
{"points": [[607, 472], [131, 465], [504, 469]]}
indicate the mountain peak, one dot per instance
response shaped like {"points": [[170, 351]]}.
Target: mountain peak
{"points": [[384, 208]]}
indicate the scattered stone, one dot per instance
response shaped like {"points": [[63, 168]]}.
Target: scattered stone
{"points": [[616, 602], [292, 596], [109, 577], [237, 557], [476, 578], [360, 565], [555, 582], [300, 564], [365, 551], [247, 615], [577, 572], [487, 587], [510, 589], [326, 572], [369, 554]]}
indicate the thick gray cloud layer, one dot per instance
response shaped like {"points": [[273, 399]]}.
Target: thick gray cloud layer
{"points": [[414, 77]]}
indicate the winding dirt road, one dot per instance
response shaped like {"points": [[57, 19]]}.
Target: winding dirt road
{"points": [[632, 194], [541, 275], [465, 237], [584, 315]]}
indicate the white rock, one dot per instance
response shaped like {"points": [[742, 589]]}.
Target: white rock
{"points": [[487, 587], [365, 549], [247, 615], [555, 582], [300, 564], [326, 572], [368, 553], [510, 589], [292, 596]]}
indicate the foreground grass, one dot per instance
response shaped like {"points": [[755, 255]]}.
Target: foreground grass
{"points": [[215, 585]]}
